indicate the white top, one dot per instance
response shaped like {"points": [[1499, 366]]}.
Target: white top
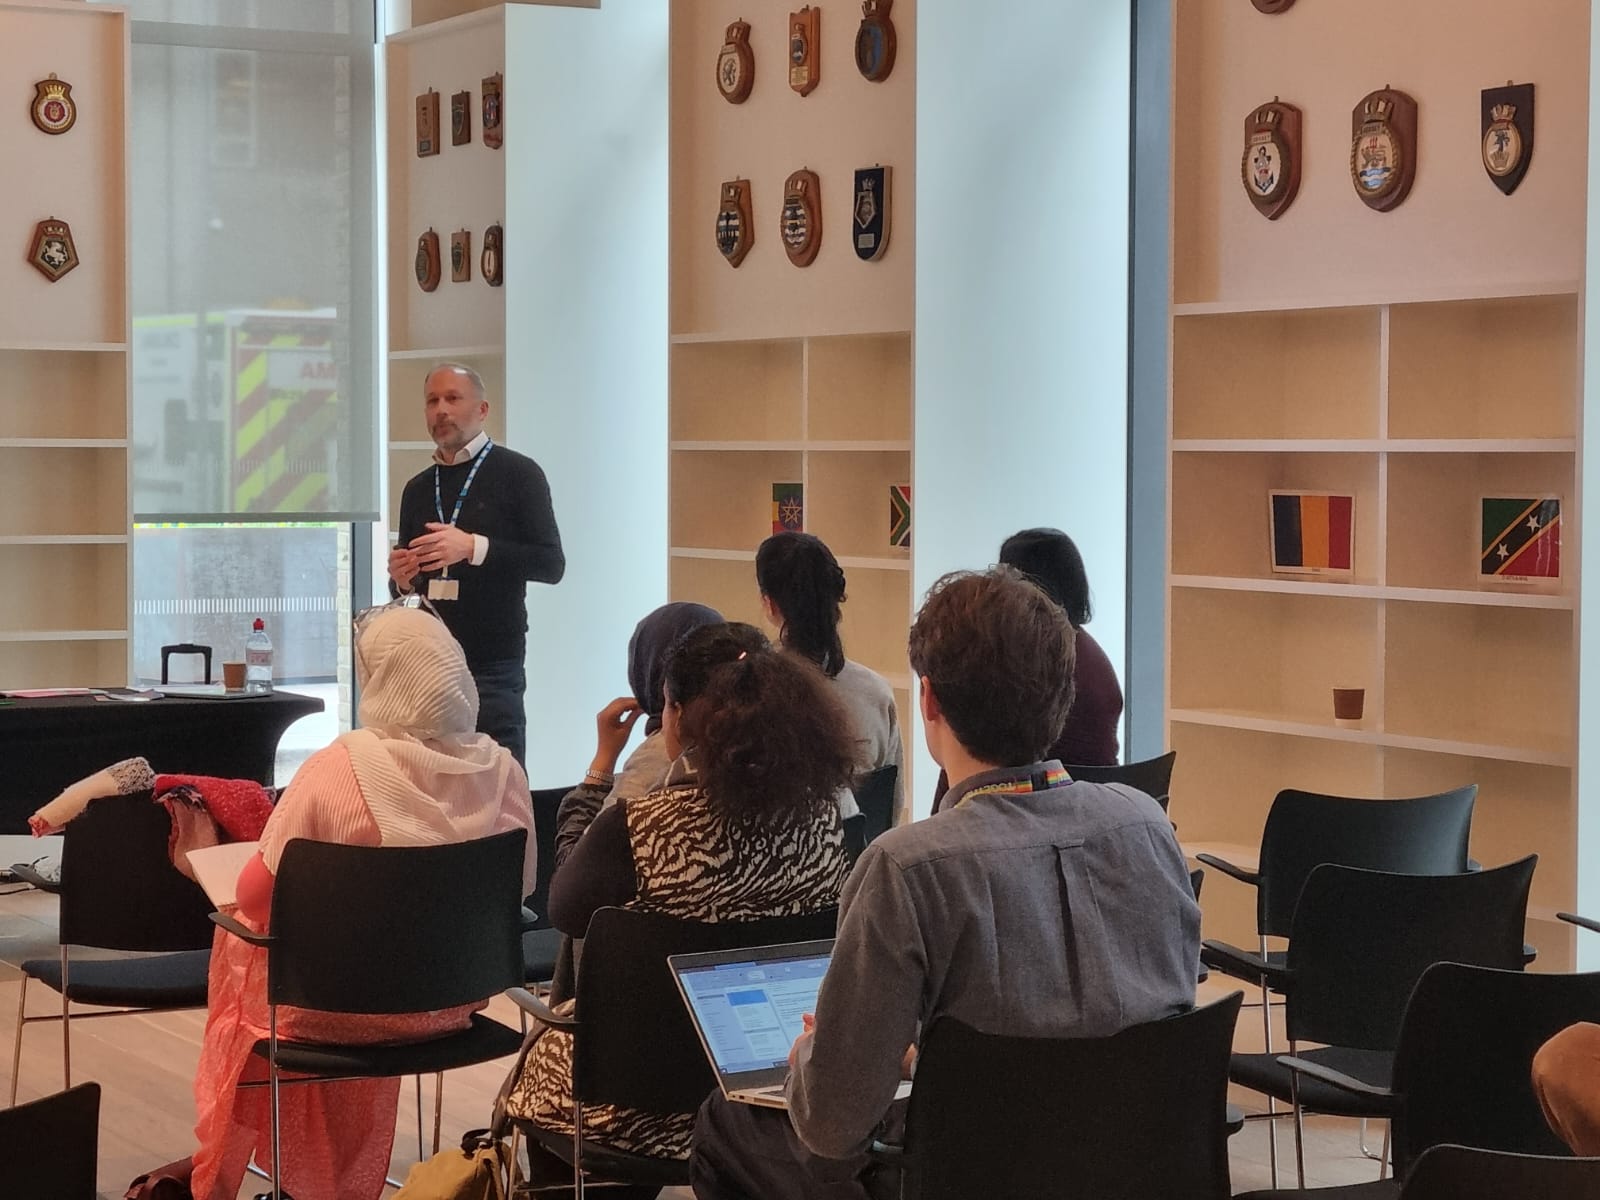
{"points": [[869, 700]]}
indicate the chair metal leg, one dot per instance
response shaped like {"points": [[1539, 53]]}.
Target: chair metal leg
{"points": [[1299, 1126], [438, 1108], [1266, 1048], [577, 1149], [421, 1153], [66, 1026], [1383, 1163], [16, 1046], [272, 1079]]}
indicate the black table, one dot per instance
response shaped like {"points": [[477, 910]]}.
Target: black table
{"points": [[52, 742]]}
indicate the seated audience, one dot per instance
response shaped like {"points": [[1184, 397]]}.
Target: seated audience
{"points": [[745, 827], [1566, 1078], [802, 587], [646, 768], [1030, 906], [416, 773], [1050, 560]]}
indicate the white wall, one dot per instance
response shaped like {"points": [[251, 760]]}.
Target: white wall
{"points": [[1022, 288], [590, 195]]}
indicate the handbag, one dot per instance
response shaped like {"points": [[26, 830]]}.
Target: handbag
{"points": [[476, 1170]]}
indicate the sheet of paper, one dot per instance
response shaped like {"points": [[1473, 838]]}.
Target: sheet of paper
{"points": [[216, 869]]}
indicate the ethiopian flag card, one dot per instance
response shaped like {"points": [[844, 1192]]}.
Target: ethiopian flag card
{"points": [[788, 508], [1520, 539], [1313, 533]]}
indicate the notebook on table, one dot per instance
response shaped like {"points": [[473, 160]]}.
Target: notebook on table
{"points": [[746, 1006]]}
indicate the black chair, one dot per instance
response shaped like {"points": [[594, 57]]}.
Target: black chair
{"points": [[633, 1042], [1153, 776], [119, 891], [50, 1148], [1360, 941], [1462, 1068], [1138, 1114], [541, 945], [1460, 1173], [875, 798], [1423, 835], [390, 929]]}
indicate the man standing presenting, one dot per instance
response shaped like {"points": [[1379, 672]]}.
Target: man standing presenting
{"points": [[475, 528], [1028, 906]]}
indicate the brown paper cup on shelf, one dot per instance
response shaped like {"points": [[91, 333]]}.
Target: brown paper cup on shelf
{"points": [[233, 676], [1349, 705]]}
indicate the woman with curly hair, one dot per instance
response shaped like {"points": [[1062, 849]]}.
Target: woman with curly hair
{"points": [[745, 827]]}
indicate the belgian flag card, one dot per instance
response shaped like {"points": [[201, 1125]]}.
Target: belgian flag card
{"points": [[1313, 533]]}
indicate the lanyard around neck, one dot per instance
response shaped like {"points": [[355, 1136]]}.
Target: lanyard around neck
{"points": [[438, 503]]}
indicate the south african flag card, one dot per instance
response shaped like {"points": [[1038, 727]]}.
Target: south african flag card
{"points": [[1520, 539], [1313, 533]]}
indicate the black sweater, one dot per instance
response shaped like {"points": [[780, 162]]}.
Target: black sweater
{"points": [[508, 503]]}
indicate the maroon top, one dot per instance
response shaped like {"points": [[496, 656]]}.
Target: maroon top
{"points": [[1089, 738]]}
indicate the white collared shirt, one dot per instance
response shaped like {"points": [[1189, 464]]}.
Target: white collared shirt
{"points": [[480, 544]]}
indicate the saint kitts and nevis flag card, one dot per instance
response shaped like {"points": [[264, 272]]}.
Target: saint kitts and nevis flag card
{"points": [[1520, 540], [1313, 533]]}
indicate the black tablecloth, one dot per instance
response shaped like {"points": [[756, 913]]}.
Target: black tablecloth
{"points": [[52, 742]]}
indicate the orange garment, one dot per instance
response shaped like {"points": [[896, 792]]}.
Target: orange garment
{"points": [[337, 1137], [1566, 1079]]}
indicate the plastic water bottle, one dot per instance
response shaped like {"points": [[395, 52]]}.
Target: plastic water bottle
{"points": [[258, 660]]}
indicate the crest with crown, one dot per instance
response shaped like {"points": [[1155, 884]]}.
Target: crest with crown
{"points": [[53, 109], [1377, 108], [1503, 112]]}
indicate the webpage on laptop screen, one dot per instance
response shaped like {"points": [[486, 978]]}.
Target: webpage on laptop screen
{"points": [[750, 1012]]}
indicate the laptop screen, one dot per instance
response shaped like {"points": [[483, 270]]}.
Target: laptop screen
{"points": [[748, 1007]]}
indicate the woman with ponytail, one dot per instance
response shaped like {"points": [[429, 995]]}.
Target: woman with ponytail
{"points": [[802, 589], [745, 827]]}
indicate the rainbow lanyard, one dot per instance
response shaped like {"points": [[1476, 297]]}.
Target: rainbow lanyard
{"points": [[1037, 781], [438, 502]]}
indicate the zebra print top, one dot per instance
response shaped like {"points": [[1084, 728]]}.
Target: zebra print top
{"points": [[690, 862]]}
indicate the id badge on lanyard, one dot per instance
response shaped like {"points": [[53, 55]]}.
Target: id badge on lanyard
{"points": [[445, 588]]}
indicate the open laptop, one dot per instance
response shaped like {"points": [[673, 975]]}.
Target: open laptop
{"points": [[746, 1006]]}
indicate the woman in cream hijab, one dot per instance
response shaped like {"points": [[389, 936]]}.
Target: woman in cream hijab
{"points": [[414, 774]]}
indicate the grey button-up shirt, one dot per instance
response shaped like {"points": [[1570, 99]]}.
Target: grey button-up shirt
{"points": [[1060, 912]]}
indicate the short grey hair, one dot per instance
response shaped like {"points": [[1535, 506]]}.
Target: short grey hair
{"points": [[461, 369]]}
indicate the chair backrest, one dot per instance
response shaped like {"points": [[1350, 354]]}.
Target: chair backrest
{"points": [[1423, 835], [546, 808], [1153, 776], [875, 798], [1361, 940], [636, 1045], [50, 1148], [1462, 1173], [396, 929], [1116, 1118], [119, 890], [1464, 1062]]}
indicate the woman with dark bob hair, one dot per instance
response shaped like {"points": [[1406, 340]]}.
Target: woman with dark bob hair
{"points": [[802, 589], [1051, 561], [745, 827]]}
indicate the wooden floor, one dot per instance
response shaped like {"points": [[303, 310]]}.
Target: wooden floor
{"points": [[145, 1065]]}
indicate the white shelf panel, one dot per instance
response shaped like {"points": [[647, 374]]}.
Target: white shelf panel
{"points": [[63, 539], [1276, 445], [405, 446], [1559, 287], [711, 339], [1327, 731], [732, 447], [45, 443], [68, 347], [718, 555], [1481, 445], [889, 447], [863, 563], [64, 635], [446, 352], [1366, 591]]}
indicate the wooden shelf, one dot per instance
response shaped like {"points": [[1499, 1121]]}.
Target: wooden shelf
{"points": [[63, 539], [447, 352], [63, 443], [830, 447], [407, 447], [63, 635], [1328, 731], [748, 556], [1285, 585], [64, 347], [1374, 445], [1560, 287]]}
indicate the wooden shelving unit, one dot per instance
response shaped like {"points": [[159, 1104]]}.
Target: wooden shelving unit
{"points": [[64, 364], [1418, 408]]}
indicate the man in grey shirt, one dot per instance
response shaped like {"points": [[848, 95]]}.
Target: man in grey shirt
{"points": [[1029, 906]]}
